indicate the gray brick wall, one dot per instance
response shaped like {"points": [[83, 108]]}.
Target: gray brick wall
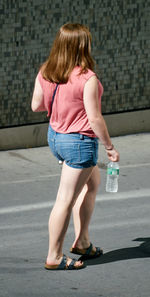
{"points": [[121, 46]]}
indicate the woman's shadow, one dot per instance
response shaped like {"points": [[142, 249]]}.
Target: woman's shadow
{"points": [[142, 251]]}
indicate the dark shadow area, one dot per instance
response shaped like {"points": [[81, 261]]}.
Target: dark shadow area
{"points": [[142, 251]]}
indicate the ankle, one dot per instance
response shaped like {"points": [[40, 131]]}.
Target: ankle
{"points": [[52, 257], [83, 242]]}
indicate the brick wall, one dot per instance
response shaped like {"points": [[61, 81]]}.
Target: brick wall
{"points": [[121, 46]]}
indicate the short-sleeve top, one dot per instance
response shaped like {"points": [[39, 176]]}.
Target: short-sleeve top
{"points": [[68, 112]]}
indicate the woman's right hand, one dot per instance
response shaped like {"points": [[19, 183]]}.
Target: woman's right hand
{"points": [[113, 155]]}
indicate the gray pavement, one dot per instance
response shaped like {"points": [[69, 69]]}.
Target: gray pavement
{"points": [[28, 185]]}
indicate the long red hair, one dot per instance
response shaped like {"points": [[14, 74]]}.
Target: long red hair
{"points": [[71, 47]]}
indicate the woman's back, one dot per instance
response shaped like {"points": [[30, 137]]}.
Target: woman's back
{"points": [[69, 114]]}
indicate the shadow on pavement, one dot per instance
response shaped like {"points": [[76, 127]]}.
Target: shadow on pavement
{"points": [[142, 251]]}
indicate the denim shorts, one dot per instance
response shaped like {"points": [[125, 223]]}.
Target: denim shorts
{"points": [[77, 150]]}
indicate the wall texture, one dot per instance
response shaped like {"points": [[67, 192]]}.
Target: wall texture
{"points": [[121, 48]]}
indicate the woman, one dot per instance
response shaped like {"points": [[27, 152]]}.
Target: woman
{"points": [[76, 124]]}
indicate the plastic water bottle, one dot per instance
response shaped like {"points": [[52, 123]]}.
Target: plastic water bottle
{"points": [[112, 177]]}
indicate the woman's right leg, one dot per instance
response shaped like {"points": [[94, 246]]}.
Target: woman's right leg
{"points": [[83, 209], [71, 183]]}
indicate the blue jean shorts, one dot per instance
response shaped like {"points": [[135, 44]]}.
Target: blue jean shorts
{"points": [[77, 150]]}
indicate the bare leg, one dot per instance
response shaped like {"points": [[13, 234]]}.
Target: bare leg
{"points": [[83, 209], [71, 183]]}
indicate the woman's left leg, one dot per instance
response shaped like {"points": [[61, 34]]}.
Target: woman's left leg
{"points": [[83, 209]]}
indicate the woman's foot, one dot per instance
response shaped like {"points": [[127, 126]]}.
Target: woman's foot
{"points": [[58, 260], [88, 252], [82, 244], [63, 263]]}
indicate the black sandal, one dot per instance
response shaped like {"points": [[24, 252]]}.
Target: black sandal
{"points": [[64, 266], [88, 253]]}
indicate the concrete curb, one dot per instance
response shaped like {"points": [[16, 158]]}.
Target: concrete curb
{"points": [[36, 135]]}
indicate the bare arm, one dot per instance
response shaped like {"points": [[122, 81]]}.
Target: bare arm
{"points": [[96, 119], [37, 103]]}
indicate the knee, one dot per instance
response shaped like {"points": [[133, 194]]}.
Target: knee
{"points": [[65, 202]]}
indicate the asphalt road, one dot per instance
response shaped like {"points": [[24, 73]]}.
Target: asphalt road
{"points": [[120, 225]]}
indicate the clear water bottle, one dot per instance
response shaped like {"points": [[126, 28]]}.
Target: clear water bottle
{"points": [[112, 177]]}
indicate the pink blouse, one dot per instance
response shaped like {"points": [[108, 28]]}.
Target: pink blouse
{"points": [[68, 112]]}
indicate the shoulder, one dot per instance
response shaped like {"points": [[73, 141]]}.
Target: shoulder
{"points": [[89, 77], [92, 83]]}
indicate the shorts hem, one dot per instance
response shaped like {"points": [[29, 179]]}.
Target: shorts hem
{"points": [[79, 166]]}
